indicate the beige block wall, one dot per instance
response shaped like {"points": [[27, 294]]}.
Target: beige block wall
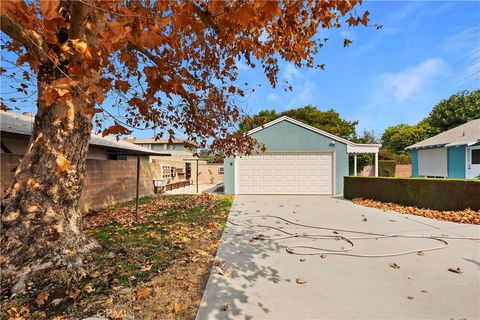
{"points": [[208, 173], [109, 181], [401, 171], [106, 181]]}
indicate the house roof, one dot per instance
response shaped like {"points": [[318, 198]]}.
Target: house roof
{"points": [[352, 147], [20, 124], [465, 134], [159, 141]]}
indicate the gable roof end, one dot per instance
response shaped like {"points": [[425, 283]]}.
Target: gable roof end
{"points": [[351, 146]]}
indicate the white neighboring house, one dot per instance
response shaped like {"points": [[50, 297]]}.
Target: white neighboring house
{"points": [[451, 154]]}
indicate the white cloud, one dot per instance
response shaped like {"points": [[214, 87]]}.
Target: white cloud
{"points": [[302, 94], [405, 95], [406, 84], [290, 72], [274, 98], [347, 34], [463, 41]]}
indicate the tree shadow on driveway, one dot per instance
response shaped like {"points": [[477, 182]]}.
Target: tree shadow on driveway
{"points": [[226, 295]]}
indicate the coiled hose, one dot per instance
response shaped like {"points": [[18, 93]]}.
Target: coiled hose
{"points": [[313, 250]]}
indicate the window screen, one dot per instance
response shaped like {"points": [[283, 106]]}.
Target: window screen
{"points": [[476, 156]]}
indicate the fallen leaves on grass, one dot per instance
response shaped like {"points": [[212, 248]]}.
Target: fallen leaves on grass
{"points": [[74, 294], [144, 293], [465, 216], [156, 269], [124, 214], [41, 298]]}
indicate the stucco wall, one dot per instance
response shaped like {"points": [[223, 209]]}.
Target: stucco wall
{"points": [[229, 175], [288, 137], [456, 162], [414, 163]]}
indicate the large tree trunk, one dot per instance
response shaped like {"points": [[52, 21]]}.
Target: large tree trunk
{"points": [[41, 222]]}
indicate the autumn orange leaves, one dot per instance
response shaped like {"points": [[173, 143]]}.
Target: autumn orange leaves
{"points": [[154, 54]]}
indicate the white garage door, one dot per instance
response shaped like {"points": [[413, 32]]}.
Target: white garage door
{"points": [[289, 173]]}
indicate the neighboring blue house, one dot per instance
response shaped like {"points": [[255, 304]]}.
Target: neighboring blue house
{"points": [[451, 154], [300, 159]]}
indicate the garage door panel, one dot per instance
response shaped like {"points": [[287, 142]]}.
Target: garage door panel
{"points": [[294, 173]]}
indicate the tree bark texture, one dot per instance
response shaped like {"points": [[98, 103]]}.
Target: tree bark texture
{"points": [[41, 221]]}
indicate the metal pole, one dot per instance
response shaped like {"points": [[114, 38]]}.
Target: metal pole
{"points": [[137, 200], [197, 175], [355, 164], [376, 164]]}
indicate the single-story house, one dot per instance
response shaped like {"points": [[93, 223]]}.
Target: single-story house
{"points": [[114, 167], [300, 159], [16, 130], [451, 154]]}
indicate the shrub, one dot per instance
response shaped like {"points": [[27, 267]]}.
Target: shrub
{"points": [[438, 194], [386, 168]]}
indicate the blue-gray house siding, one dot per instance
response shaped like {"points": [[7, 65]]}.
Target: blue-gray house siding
{"points": [[286, 136], [455, 162]]}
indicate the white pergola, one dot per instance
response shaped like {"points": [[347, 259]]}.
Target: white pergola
{"points": [[359, 148]]}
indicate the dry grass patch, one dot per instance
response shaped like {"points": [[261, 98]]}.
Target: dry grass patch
{"points": [[156, 269]]}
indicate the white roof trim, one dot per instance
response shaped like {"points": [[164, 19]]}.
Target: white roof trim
{"points": [[363, 148], [354, 147]]}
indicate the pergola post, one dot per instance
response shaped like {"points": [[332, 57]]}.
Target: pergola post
{"points": [[197, 175], [376, 164], [355, 164], [137, 190]]}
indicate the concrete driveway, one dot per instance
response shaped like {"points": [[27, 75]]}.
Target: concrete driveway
{"points": [[263, 285]]}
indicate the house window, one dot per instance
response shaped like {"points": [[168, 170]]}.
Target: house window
{"points": [[475, 156], [166, 172], [220, 170], [188, 170], [113, 156]]}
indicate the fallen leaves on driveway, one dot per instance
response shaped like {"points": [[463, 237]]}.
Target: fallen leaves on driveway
{"points": [[465, 216], [455, 270], [301, 281]]}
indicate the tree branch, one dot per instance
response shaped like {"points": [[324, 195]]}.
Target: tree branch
{"points": [[205, 16], [29, 38], [153, 58], [78, 19]]}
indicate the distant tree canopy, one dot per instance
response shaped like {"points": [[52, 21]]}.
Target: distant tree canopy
{"points": [[458, 109], [329, 121], [396, 138]]}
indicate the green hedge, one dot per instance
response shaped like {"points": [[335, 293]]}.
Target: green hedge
{"points": [[439, 194], [386, 168]]}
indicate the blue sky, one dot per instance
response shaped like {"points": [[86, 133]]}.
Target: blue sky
{"points": [[426, 51]]}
